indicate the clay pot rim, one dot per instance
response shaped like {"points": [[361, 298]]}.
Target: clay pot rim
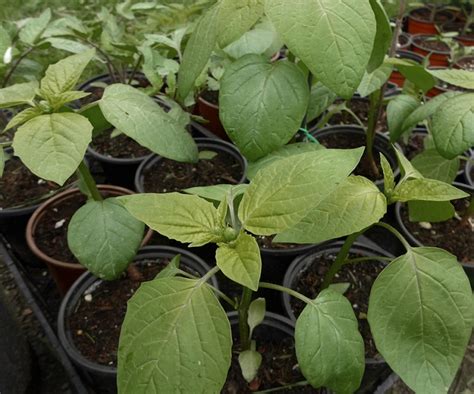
{"points": [[39, 212], [435, 51], [205, 102]]}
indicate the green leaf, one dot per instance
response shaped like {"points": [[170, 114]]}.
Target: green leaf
{"points": [[175, 338], [398, 109], [280, 93], [430, 211], [216, 192], [414, 72], [197, 52], [142, 119], [434, 166], [256, 314], [34, 28], [94, 114], [172, 269], [111, 234], [375, 80], [357, 203], [283, 193], [23, 117], [388, 176], [282, 153], [320, 99], [383, 36], [2, 161], [53, 146], [426, 190], [453, 126], [188, 219], [406, 168], [207, 155], [345, 31], [341, 288], [462, 78], [63, 98], [329, 347], [240, 261], [63, 76], [21, 93], [420, 315], [235, 18], [250, 361], [67, 45]]}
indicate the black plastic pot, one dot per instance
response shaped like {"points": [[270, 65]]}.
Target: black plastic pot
{"points": [[376, 369], [203, 144], [468, 172], [468, 267], [103, 378], [381, 144]]}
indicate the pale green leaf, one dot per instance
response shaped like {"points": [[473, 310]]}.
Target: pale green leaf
{"points": [[398, 109], [21, 93], [188, 219], [142, 119], [426, 190], [262, 104], [344, 31], [432, 165], [34, 28], [63, 98], [357, 203], [329, 347], [67, 45], [388, 176], [320, 99], [250, 361], [216, 192], [383, 36], [172, 269], [23, 117], [53, 146], [406, 168], [240, 261], [341, 288], [283, 193], [111, 234], [175, 338], [375, 80], [256, 314], [420, 315], [462, 78], [453, 126]]}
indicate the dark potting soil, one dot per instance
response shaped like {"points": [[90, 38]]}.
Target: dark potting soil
{"points": [[119, 147], [95, 325], [211, 96], [402, 40], [279, 367], [361, 109], [431, 44], [167, 176], [20, 187], [450, 235], [266, 242], [466, 63], [425, 15], [360, 276], [414, 146], [350, 141]]}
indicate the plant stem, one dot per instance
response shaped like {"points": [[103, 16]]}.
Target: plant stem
{"points": [[340, 259], [6, 144], [243, 311], [468, 213], [376, 102], [135, 69], [88, 181], [113, 72], [395, 232], [15, 66], [209, 275], [304, 123], [291, 292]]}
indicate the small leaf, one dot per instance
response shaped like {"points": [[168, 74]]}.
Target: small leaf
{"points": [[217, 192], [34, 28], [388, 176], [63, 98], [398, 110], [111, 234], [172, 269], [383, 36], [421, 315], [256, 314], [341, 288], [93, 112], [430, 211], [175, 336], [462, 78], [320, 99], [407, 169], [434, 166], [18, 94], [250, 361], [23, 117], [426, 190], [374, 81], [414, 72], [329, 347], [240, 261], [207, 155], [188, 219]]}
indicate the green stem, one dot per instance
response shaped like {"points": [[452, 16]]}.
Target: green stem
{"points": [[88, 181], [376, 103], [304, 123], [15, 66], [357, 119], [468, 213], [395, 232], [6, 144], [365, 259], [209, 275], [340, 259], [135, 69], [243, 311], [291, 292]]}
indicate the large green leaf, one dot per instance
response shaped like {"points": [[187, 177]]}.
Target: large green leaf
{"points": [[329, 347], [421, 315], [283, 193], [52, 146], [282, 153], [63, 76], [175, 338], [374, 81], [398, 110], [356, 204], [344, 31], [142, 119], [34, 28], [21, 93], [434, 166], [462, 78], [177, 216], [430, 211], [104, 237], [240, 261], [383, 36], [320, 99], [197, 52], [262, 104], [235, 18], [453, 126], [426, 190]]}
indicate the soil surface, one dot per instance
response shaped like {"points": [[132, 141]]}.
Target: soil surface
{"points": [[266, 242], [350, 141], [361, 108], [119, 147], [425, 15], [211, 96], [360, 276], [414, 146], [431, 44], [403, 40], [167, 176], [466, 63], [449, 235], [20, 187], [95, 325]]}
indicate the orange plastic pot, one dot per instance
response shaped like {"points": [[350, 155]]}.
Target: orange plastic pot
{"points": [[418, 25], [436, 58], [397, 77]]}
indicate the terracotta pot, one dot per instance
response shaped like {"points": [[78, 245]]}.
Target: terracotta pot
{"points": [[436, 58], [466, 39], [420, 26], [210, 112], [65, 273], [397, 77], [439, 89]]}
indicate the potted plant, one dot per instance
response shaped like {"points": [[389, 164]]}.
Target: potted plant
{"points": [[427, 19]]}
